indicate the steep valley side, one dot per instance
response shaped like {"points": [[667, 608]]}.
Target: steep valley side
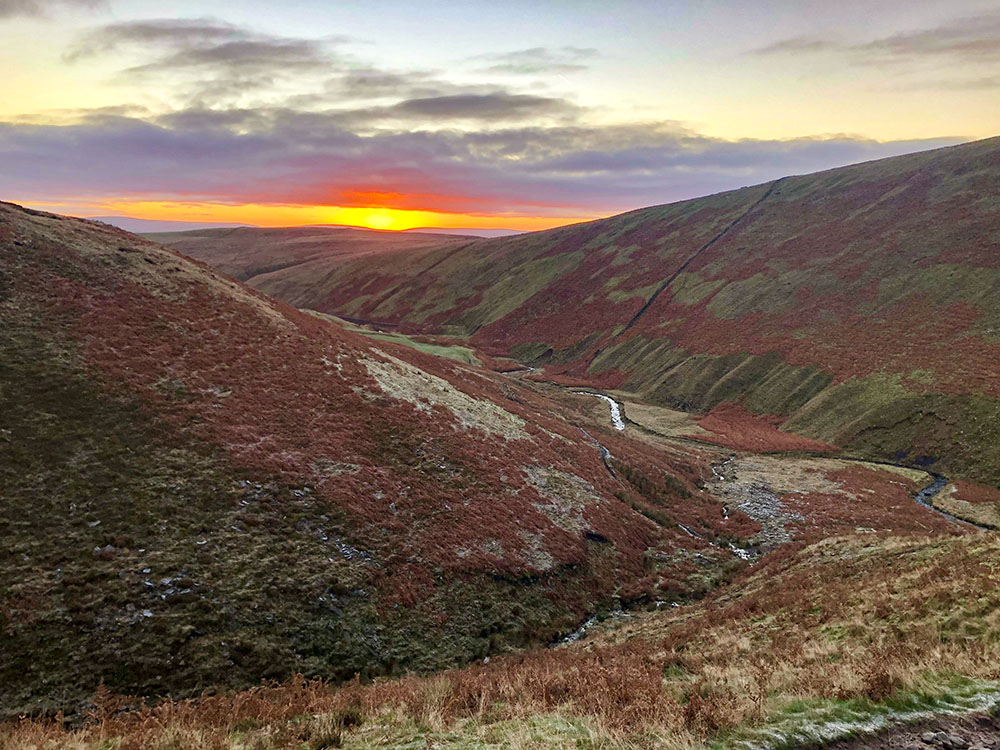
{"points": [[858, 306]]}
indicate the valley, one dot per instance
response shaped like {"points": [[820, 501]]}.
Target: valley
{"points": [[853, 307], [320, 487], [499, 376]]}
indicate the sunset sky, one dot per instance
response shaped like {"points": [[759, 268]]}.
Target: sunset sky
{"points": [[464, 113]]}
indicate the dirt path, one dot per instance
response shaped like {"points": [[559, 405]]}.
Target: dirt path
{"points": [[975, 732]]}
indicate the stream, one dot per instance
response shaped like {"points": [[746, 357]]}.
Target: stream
{"points": [[616, 409], [927, 495], [923, 498]]}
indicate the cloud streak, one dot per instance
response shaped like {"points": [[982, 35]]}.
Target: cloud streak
{"points": [[14, 8], [210, 61], [539, 60], [974, 39]]}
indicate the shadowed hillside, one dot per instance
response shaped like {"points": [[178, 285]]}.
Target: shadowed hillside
{"points": [[203, 486], [858, 306]]}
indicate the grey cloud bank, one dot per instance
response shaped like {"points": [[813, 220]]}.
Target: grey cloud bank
{"points": [[282, 157]]}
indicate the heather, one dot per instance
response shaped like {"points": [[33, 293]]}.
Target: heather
{"points": [[816, 642], [854, 307]]}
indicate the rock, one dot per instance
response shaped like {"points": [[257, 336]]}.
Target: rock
{"points": [[955, 742], [928, 737], [915, 746]]}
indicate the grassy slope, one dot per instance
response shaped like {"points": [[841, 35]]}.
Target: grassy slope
{"points": [[846, 635], [457, 353], [203, 486], [858, 304]]}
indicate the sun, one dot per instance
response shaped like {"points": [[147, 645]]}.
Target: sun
{"points": [[379, 219]]}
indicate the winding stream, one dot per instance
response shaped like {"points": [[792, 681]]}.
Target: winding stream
{"points": [[923, 498], [616, 409], [927, 495]]}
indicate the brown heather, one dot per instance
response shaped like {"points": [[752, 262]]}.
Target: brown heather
{"points": [[843, 619]]}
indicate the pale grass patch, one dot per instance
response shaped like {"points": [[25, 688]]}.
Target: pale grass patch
{"points": [[407, 382]]}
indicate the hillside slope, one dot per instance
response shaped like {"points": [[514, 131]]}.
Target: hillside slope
{"points": [[859, 306], [297, 264], [841, 639], [202, 486]]}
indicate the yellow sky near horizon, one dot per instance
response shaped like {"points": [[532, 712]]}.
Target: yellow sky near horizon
{"points": [[294, 215]]}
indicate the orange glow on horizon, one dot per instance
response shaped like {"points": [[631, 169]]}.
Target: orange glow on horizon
{"points": [[372, 217]]}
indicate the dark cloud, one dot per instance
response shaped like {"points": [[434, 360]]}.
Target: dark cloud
{"points": [[365, 84], [210, 61], [12, 8], [974, 39], [171, 33], [283, 156], [373, 83], [498, 106], [540, 60]]}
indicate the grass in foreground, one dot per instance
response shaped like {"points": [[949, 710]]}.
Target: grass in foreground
{"points": [[839, 638]]}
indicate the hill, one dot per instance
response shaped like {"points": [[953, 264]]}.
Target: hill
{"points": [[204, 486], [296, 264], [858, 306], [131, 224]]}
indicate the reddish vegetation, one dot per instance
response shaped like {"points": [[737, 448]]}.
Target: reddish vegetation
{"points": [[975, 493], [737, 428], [848, 343], [869, 499], [286, 395], [302, 411], [879, 618]]}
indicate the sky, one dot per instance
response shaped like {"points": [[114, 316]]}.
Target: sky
{"points": [[447, 113]]}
